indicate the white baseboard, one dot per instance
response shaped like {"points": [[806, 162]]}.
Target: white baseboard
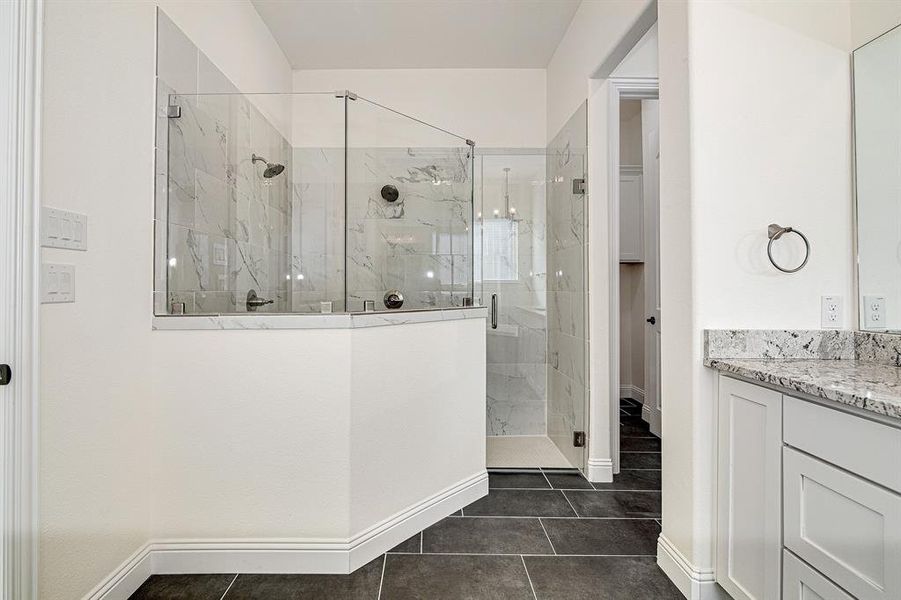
{"points": [[694, 583], [600, 470], [326, 556], [631, 391], [128, 577]]}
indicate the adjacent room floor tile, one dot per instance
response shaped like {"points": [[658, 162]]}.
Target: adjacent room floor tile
{"points": [[567, 480], [362, 584], [486, 535], [599, 578], [639, 460], [454, 577], [603, 536], [521, 503], [634, 430], [411, 544], [513, 479], [632, 480], [639, 444], [615, 504], [183, 587]]}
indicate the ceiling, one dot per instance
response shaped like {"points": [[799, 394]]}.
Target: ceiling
{"points": [[417, 34]]}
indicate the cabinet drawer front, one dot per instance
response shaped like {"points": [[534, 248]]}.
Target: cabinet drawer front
{"points": [[801, 582], [868, 449], [846, 527]]}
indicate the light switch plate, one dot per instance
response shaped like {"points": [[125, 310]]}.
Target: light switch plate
{"points": [[63, 229], [57, 283], [874, 315], [832, 313]]}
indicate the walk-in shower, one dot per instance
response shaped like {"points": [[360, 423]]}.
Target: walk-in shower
{"points": [[532, 264], [314, 202]]}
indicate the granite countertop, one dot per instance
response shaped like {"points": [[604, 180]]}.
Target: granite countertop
{"points": [[853, 368], [873, 387]]}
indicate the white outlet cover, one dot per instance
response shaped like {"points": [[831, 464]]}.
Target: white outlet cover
{"points": [[832, 313], [57, 283], [874, 312]]}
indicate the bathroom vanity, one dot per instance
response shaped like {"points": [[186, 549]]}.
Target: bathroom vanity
{"points": [[808, 480]]}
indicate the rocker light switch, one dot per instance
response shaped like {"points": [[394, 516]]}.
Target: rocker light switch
{"points": [[63, 229], [57, 283]]}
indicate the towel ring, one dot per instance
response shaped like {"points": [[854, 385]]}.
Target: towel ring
{"points": [[774, 232]]}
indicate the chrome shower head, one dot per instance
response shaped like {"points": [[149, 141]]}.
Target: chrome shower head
{"points": [[272, 169]]}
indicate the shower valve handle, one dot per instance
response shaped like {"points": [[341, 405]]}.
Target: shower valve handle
{"points": [[253, 301]]}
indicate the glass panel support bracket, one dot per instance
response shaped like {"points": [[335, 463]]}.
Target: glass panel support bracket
{"points": [[173, 111], [346, 94]]}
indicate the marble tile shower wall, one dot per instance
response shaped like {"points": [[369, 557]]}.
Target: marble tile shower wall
{"points": [[421, 244], [223, 225], [567, 286]]}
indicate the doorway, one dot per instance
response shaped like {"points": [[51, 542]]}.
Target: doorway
{"points": [[635, 318]]}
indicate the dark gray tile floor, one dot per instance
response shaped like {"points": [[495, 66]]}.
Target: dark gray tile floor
{"points": [[539, 534]]}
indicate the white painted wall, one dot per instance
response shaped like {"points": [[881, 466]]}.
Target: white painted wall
{"points": [[96, 398], [641, 61], [870, 18], [95, 389], [593, 35], [739, 152], [498, 108], [417, 414], [204, 434]]}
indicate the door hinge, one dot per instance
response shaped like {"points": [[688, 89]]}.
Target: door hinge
{"points": [[578, 186], [579, 439], [173, 111]]}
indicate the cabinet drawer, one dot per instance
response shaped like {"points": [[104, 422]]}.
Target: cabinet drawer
{"points": [[845, 527], [801, 582], [855, 444]]}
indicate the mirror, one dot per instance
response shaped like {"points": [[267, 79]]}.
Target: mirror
{"points": [[877, 149]]}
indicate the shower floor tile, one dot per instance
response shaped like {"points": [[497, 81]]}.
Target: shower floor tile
{"points": [[524, 452]]}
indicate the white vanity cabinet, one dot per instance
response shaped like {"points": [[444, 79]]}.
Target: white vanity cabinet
{"points": [[808, 499], [749, 480]]}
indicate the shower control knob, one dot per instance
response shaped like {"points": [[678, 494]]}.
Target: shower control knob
{"points": [[6, 374], [390, 193], [652, 320], [394, 299]]}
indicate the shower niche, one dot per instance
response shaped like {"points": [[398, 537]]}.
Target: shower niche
{"points": [[307, 203]]}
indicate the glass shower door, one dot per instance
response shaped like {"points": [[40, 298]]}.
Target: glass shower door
{"points": [[513, 257], [568, 288]]}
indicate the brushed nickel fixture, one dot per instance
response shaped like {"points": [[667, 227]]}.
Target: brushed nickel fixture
{"points": [[774, 232], [253, 301], [390, 193], [393, 299], [272, 169]]}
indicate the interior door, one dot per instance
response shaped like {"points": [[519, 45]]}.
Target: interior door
{"points": [[650, 131]]}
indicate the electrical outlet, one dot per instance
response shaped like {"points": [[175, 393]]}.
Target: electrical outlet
{"points": [[832, 312], [874, 316]]}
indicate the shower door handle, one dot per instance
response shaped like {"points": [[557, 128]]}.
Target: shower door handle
{"points": [[494, 311]]}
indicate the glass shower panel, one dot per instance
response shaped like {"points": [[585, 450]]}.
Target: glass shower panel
{"points": [[513, 257], [567, 286], [409, 211], [239, 215], [317, 215]]}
